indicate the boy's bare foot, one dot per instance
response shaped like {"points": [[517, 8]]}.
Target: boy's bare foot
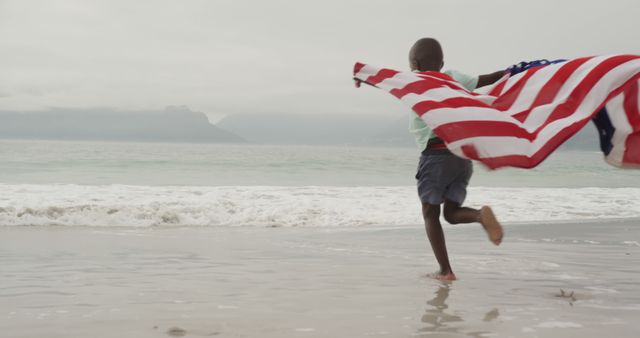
{"points": [[491, 225], [445, 277]]}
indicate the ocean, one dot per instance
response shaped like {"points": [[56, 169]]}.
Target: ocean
{"points": [[154, 240], [153, 184]]}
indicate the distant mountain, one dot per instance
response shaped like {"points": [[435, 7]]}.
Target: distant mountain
{"points": [[331, 129], [179, 124], [174, 124], [395, 133], [325, 129]]}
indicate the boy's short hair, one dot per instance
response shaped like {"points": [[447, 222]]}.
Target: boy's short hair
{"points": [[426, 54]]}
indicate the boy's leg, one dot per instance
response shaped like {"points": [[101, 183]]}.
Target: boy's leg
{"points": [[455, 214], [431, 215]]}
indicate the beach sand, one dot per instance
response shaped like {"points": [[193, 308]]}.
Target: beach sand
{"points": [[545, 280]]}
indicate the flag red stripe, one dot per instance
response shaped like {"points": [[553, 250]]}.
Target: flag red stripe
{"points": [[632, 144], [497, 90], [382, 75], [632, 149], [456, 102], [419, 87], [460, 130]]}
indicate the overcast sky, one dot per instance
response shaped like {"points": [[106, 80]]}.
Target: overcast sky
{"points": [[294, 56]]}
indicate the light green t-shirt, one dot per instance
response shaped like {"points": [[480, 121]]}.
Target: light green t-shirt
{"points": [[419, 129]]}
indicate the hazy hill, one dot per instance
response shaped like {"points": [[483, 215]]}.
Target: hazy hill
{"points": [[331, 129], [328, 129], [179, 124], [171, 125]]}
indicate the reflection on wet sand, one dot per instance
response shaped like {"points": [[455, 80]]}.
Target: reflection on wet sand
{"points": [[447, 322]]}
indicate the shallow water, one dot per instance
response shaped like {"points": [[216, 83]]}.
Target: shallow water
{"points": [[546, 280]]}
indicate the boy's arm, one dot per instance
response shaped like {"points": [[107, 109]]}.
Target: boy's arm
{"points": [[487, 79]]}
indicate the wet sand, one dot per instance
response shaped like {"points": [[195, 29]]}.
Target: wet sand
{"points": [[545, 280]]}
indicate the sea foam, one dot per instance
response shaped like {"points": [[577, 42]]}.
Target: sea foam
{"points": [[311, 206]]}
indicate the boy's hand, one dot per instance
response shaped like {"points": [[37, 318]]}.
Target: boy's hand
{"points": [[359, 82]]}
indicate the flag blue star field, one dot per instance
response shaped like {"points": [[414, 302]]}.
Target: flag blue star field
{"points": [[530, 112]]}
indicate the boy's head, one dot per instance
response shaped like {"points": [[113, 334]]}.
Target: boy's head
{"points": [[426, 54]]}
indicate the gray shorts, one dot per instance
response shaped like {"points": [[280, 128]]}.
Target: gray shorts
{"points": [[443, 176]]}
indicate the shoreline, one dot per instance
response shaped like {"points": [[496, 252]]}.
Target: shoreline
{"points": [[347, 228]]}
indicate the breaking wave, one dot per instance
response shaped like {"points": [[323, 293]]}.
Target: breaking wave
{"points": [[310, 206]]}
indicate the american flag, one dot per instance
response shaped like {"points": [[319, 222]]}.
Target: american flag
{"points": [[521, 119]]}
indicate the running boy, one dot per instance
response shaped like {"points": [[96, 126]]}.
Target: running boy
{"points": [[443, 177]]}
